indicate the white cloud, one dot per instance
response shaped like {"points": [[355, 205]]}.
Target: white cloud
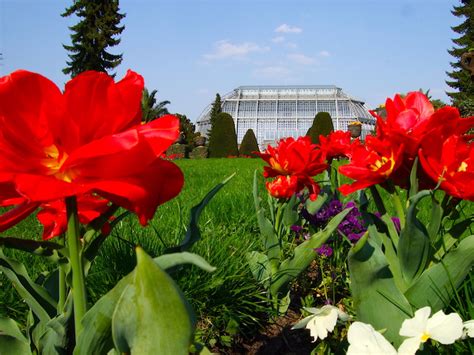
{"points": [[324, 54], [292, 45], [278, 39], [288, 29], [301, 59], [275, 71], [225, 49]]}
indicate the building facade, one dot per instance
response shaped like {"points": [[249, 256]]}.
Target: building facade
{"points": [[275, 112]]}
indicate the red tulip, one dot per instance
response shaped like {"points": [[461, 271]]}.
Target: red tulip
{"points": [[88, 139], [53, 217], [336, 144], [299, 159], [452, 166], [284, 186], [370, 164], [406, 121]]}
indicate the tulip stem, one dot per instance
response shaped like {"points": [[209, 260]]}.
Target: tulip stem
{"points": [[75, 255], [62, 282]]}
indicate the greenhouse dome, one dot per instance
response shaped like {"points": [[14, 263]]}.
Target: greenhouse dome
{"points": [[275, 112]]}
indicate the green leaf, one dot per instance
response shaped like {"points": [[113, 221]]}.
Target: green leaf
{"points": [[413, 179], [259, 266], [152, 315], [436, 286], [377, 300], [193, 234], [37, 298], [390, 254], [96, 336], [290, 213], [314, 206], [435, 220], [12, 340], [414, 243], [37, 247], [169, 261], [267, 232], [303, 255], [52, 337]]}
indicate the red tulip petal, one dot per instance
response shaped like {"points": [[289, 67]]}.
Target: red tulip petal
{"points": [[123, 154], [46, 188], [31, 104], [98, 107], [143, 193]]}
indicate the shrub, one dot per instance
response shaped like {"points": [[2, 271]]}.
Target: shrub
{"points": [[223, 139], [322, 125], [249, 145]]}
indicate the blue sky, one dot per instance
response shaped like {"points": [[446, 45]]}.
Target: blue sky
{"points": [[189, 50]]}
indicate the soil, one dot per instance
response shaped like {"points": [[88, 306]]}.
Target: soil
{"points": [[276, 339]]}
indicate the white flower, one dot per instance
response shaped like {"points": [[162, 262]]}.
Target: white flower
{"points": [[364, 340], [469, 328], [443, 328], [322, 320]]}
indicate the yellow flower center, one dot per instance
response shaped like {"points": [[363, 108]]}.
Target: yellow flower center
{"points": [[380, 163], [54, 161], [424, 337], [462, 167], [277, 166]]}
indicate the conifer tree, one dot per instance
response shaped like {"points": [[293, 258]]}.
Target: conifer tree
{"points": [[96, 31], [322, 125], [215, 111], [463, 97], [223, 140], [249, 145]]}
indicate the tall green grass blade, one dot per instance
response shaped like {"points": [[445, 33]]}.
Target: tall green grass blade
{"points": [[193, 234]]}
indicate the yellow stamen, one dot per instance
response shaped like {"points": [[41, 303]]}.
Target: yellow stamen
{"points": [[425, 336], [462, 167], [381, 162], [276, 166], [54, 161]]}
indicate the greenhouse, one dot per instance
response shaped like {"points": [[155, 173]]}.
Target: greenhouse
{"points": [[275, 112]]}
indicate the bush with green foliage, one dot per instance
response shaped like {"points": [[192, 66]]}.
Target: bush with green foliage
{"points": [[322, 125], [223, 139], [249, 145]]}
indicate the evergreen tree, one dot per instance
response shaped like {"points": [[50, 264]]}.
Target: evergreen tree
{"points": [[223, 140], [91, 37], [249, 145], [150, 108], [463, 97], [215, 110], [322, 125], [187, 129]]}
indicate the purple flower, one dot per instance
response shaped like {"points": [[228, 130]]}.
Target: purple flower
{"points": [[296, 229], [324, 250]]}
